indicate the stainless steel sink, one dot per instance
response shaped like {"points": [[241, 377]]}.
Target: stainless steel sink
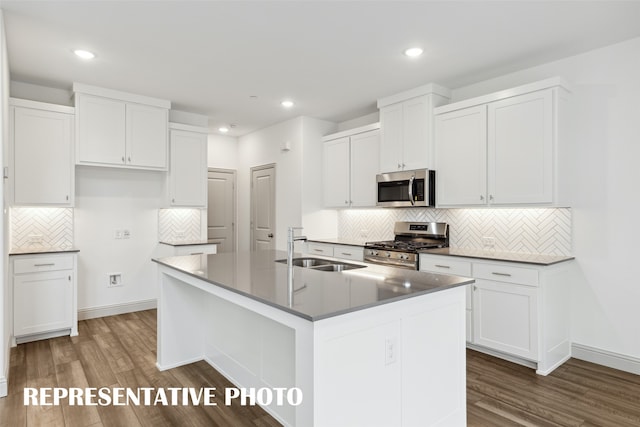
{"points": [[321, 264]]}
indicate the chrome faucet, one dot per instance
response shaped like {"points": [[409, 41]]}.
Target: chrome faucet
{"points": [[291, 239]]}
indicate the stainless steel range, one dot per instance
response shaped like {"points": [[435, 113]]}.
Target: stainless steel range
{"points": [[410, 237]]}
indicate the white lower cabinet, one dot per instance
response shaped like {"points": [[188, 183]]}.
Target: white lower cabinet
{"points": [[44, 296], [505, 318], [208, 249], [350, 252], [514, 310]]}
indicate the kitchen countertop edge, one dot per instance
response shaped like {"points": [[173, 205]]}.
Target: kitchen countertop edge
{"points": [[313, 318], [41, 251], [534, 259]]}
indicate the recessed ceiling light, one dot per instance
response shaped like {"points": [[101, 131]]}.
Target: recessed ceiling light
{"points": [[84, 54], [287, 104], [223, 129], [412, 52]]}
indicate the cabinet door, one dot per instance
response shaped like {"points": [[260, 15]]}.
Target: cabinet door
{"points": [[188, 172], [147, 136], [461, 157], [415, 135], [42, 302], [42, 157], [101, 130], [336, 173], [391, 129], [365, 163], [520, 144], [505, 318]]}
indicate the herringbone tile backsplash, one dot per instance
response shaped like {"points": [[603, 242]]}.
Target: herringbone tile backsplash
{"points": [[38, 228], [536, 231], [173, 224]]}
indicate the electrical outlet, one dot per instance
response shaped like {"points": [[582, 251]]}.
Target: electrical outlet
{"points": [[35, 238], [126, 234], [488, 242], [390, 350], [118, 234], [364, 233], [181, 234], [115, 279]]}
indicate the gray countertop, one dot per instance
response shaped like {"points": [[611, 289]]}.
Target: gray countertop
{"points": [[317, 294], [537, 259], [189, 242], [32, 251]]}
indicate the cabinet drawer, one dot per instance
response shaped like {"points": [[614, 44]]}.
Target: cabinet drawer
{"points": [[320, 249], [502, 273], [445, 265], [196, 249], [45, 263], [354, 253]]}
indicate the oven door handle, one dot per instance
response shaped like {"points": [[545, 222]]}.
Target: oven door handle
{"points": [[411, 190]]}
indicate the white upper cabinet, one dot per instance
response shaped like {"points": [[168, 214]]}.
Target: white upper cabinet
{"points": [[188, 171], [364, 168], [461, 153], [118, 129], [336, 173], [499, 149], [41, 154], [406, 125], [520, 149], [351, 162]]}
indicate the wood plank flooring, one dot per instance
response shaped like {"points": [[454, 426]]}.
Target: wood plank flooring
{"points": [[120, 351]]}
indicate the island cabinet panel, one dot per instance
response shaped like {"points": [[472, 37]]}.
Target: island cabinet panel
{"points": [[41, 171]]}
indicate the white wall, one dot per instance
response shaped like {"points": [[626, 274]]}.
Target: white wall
{"points": [[359, 121], [265, 147], [604, 190], [5, 303], [222, 152], [108, 199]]}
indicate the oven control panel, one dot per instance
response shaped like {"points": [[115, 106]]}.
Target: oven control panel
{"points": [[392, 258]]}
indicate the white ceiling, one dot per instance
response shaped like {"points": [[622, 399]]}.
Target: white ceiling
{"points": [[333, 58]]}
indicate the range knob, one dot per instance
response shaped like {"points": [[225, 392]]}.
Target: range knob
{"points": [[388, 254]]}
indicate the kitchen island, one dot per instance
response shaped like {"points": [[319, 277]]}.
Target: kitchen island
{"points": [[369, 346]]}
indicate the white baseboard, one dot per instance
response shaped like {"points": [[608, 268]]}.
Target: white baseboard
{"points": [[114, 309], [4, 388], [606, 358]]}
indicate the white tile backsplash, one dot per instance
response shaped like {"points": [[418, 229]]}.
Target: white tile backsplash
{"points": [[526, 230], [179, 224], [37, 228]]}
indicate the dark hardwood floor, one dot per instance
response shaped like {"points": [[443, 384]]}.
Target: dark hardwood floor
{"points": [[120, 351]]}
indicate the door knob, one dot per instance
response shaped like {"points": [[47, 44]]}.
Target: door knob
{"points": [[270, 235]]}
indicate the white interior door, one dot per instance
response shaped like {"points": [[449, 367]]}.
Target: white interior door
{"points": [[263, 207], [221, 209]]}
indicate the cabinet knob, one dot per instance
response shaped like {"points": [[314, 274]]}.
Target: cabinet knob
{"points": [[399, 166], [129, 159], [403, 165], [122, 159], [67, 197], [481, 197], [346, 202], [173, 200], [490, 196]]}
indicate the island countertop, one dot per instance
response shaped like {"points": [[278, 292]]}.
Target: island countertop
{"points": [[316, 294]]}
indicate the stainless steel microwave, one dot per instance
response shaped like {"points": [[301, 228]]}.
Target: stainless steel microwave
{"points": [[406, 188]]}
